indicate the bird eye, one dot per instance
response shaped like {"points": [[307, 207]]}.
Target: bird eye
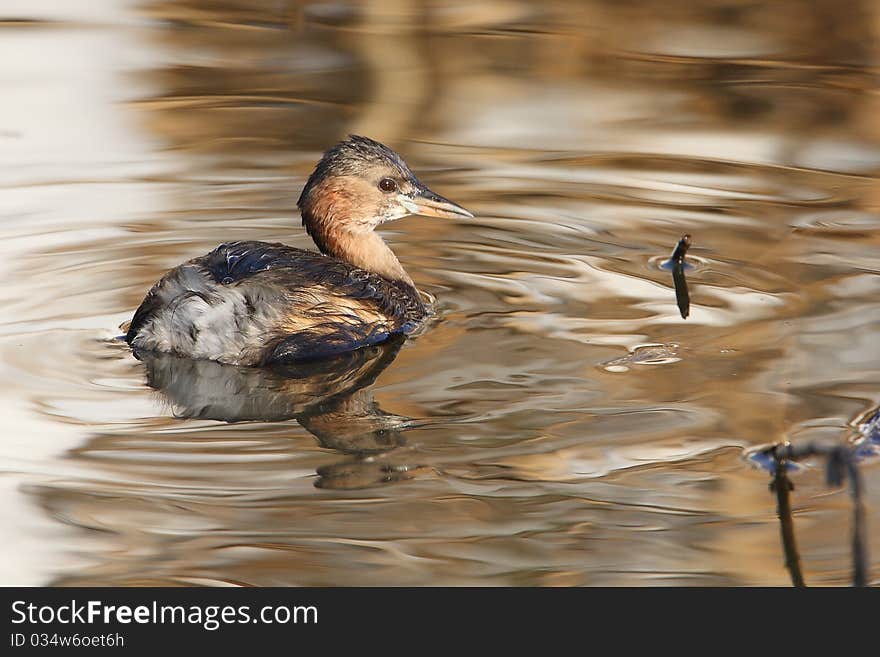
{"points": [[387, 185]]}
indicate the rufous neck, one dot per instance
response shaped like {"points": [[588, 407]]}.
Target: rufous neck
{"points": [[364, 249]]}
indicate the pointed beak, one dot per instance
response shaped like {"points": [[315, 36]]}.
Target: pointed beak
{"points": [[428, 204]]}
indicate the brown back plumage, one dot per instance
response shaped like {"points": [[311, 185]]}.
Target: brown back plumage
{"points": [[257, 303]]}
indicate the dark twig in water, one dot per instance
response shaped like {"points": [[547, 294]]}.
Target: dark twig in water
{"points": [[782, 486], [682, 296], [681, 249], [841, 464]]}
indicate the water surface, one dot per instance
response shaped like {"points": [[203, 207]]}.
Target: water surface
{"points": [[560, 423]]}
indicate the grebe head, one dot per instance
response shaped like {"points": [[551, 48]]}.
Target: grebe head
{"points": [[360, 184]]}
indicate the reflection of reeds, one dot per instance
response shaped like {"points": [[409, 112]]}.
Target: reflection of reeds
{"points": [[397, 71], [397, 68]]}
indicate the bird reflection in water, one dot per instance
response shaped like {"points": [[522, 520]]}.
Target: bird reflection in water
{"points": [[330, 398]]}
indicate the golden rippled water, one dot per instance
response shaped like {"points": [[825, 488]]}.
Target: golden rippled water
{"points": [[560, 423]]}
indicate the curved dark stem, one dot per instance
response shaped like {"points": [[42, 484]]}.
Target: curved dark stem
{"points": [[782, 486], [859, 544]]}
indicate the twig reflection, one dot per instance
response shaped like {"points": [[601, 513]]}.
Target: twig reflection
{"points": [[677, 264]]}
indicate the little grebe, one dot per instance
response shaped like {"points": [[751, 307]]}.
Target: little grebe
{"points": [[255, 303]]}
